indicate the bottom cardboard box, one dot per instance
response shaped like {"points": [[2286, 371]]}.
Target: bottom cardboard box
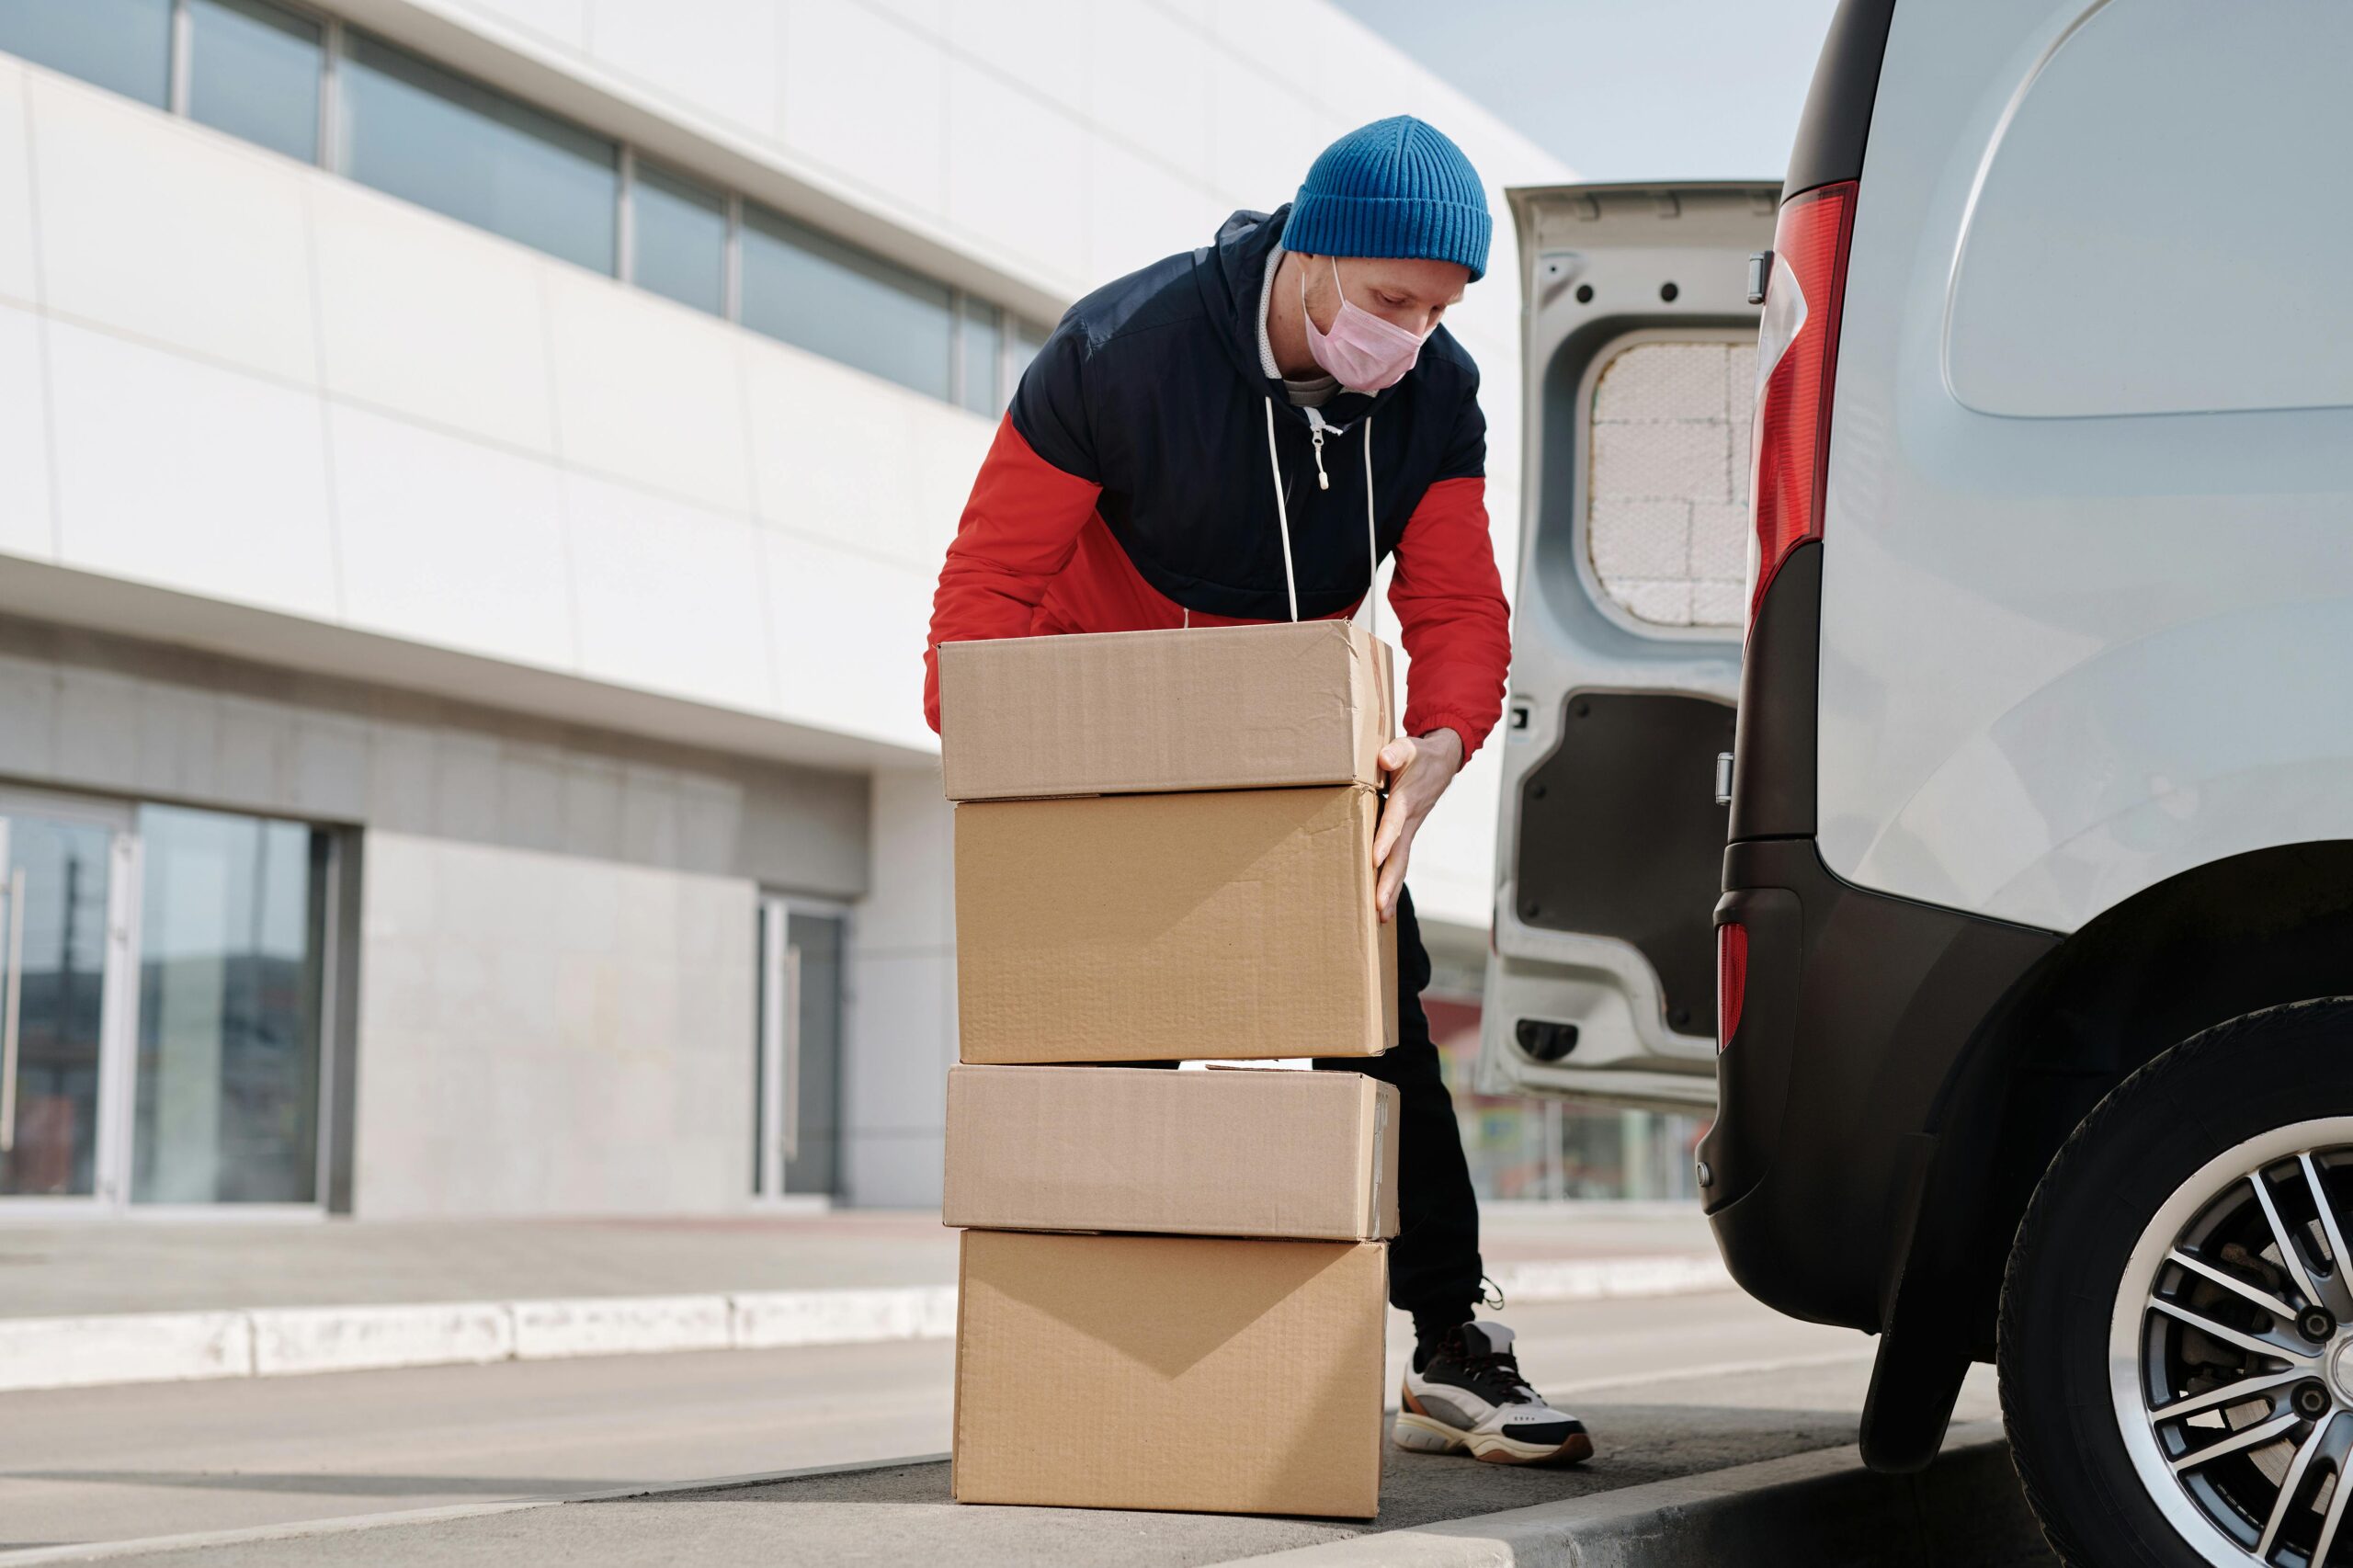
{"points": [[1176, 1372]]}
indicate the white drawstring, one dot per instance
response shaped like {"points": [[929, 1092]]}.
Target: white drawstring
{"points": [[1282, 516], [1371, 542], [1282, 513]]}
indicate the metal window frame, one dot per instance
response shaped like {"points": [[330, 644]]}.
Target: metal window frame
{"points": [[624, 216], [731, 289], [955, 347], [112, 1118], [334, 48], [176, 78], [331, 48]]}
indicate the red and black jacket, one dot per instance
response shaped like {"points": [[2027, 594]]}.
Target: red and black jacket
{"points": [[1129, 488]]}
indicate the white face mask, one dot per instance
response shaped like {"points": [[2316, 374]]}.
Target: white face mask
{"points": [[1362, 352]]}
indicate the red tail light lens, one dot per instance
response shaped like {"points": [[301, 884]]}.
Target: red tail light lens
{"points": [[1731, 979], [1797, 355]]}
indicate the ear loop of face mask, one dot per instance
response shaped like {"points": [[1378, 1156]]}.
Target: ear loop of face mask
{"points": [[1282, 524]]}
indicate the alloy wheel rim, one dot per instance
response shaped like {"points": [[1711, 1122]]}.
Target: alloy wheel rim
{"points": [[2231, 1352]]}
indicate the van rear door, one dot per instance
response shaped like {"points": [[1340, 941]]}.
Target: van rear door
{"points": [[1639, 364]]}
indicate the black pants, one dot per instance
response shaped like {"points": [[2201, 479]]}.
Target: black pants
{"points": [[1433, 1269]]}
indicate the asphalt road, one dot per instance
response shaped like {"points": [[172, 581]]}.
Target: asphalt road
{"points": [[1696, 1381]]}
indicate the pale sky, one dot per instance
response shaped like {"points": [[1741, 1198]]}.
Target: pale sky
{"points": [[1626, 89]]}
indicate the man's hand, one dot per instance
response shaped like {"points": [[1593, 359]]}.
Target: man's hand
{"points": [[1420, 772]]}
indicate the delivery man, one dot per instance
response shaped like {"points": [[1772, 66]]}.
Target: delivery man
{"points": [[1239, 433]]}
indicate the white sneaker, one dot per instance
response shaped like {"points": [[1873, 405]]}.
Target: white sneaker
{"points": [[1470, 1396]]}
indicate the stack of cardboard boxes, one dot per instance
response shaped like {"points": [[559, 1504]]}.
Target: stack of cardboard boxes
{"points": [[1174, 1283]]}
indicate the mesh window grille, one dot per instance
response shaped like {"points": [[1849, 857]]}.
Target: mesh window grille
{"points": [[1667, 521]]}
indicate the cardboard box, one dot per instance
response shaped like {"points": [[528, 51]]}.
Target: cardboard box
{"points": [[1156, 927], [1171, 1372], [1204, 1154], [1212, 707]]}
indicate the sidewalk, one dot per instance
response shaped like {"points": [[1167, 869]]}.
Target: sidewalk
{"points": [[58, 1270], [144, 1301]]}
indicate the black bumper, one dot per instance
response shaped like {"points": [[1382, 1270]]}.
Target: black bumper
{"points": [[1859, 1005]]}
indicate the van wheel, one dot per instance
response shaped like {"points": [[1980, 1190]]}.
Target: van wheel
{"points": [[2176, 1324]]}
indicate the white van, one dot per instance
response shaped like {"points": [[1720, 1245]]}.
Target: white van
{"points": [[2032, 967]]}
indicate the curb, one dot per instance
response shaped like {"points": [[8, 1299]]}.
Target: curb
{"points": [[271, 1342], [1815, 1510]]}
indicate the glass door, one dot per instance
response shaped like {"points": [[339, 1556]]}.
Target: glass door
{"points": [[797, 1059], [66, 875], [232, 971]]}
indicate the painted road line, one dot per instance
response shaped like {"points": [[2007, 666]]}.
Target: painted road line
{"points": [[347, 1524]]}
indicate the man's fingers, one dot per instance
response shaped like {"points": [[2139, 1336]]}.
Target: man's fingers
{"points": [[1396, 754], [1393, 876]]}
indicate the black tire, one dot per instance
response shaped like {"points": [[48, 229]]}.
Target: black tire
{"points": [[2153, 1133]]}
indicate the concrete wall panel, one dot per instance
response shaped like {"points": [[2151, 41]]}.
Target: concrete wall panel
{"points": [[86, 710], [171, 231], [26, 524], [17, 272], [180, 472], [529, 1059]]}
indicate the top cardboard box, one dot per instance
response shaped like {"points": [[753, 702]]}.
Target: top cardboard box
{"points": [[1134, 712]]}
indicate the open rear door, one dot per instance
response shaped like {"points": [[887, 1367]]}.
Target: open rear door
{"points": [[1640, 366]]}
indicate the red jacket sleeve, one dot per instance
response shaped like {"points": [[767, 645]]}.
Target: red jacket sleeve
{"points": [[1019, 529], [1451, 615]]}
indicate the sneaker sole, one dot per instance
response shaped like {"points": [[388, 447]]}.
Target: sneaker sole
{"points": [[1421, 1435]]}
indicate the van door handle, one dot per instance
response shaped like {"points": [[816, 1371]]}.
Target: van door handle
{"points": [[12, 999]]}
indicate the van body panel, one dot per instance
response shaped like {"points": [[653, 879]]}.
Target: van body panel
{"points": [[2064, 659]]}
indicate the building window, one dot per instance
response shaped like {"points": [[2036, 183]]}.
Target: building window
{"points": [[423, 135], [254, 70], [184, 956], [979, 355], [817, 292], [124, 46], [230, 962], [677, 239], [299, 82]]}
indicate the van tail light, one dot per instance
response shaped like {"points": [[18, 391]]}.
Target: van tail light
{"points": [[1797, 356], [1731, 979]]}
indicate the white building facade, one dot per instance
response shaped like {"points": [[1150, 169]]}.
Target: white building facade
{"points": [[473, 474]]}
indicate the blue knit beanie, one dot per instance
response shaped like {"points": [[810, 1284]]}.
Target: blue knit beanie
{"points": [[1396, 188]]}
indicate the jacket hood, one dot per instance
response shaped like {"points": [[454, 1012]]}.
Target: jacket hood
{"points": [[1231, 271]]}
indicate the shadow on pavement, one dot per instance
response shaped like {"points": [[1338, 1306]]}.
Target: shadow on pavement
{"points": [[834, 1518], [1637, 1443]]}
